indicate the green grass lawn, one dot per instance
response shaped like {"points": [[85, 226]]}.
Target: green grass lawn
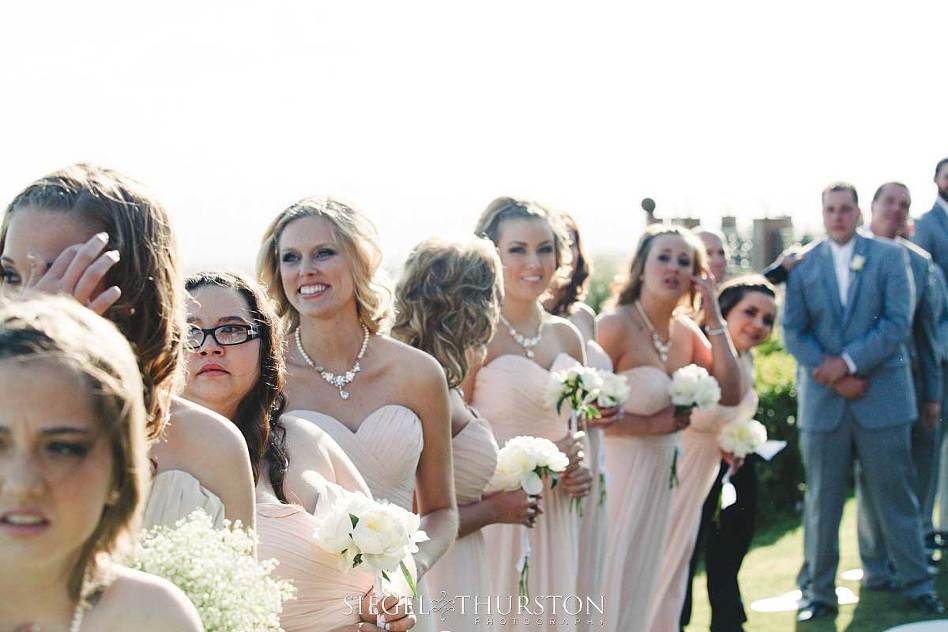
{"points": [[770, 570]]}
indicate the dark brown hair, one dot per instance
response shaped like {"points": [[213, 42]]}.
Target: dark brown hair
{"points": [[732, 292], [150, 311], [258, 413], [572, 288]]}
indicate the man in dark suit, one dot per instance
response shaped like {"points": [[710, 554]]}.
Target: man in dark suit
{"points": [[890, 211], [848, 306]]}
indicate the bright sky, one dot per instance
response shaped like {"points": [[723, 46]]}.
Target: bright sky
{"points": [[420, 113]]}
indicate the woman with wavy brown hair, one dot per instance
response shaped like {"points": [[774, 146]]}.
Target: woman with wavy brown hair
{"points": [[384, 402], [447, 302], [99, 236], [73, 476], [649, 334]]}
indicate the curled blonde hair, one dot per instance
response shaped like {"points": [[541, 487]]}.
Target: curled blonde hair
{"points": [[357, 238], [448, 300], [504, 208], [150, 311], [56, 329], [629, 289]]}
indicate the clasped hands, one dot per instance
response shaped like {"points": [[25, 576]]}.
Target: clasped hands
{"points": [[834, 373]]}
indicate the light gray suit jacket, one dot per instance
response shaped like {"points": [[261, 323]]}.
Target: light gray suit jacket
{"points": [[872, 329], [931, 234], [925, 347]]}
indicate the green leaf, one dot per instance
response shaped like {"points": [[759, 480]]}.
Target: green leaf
{"points": [[408, 578], [354, 520]]}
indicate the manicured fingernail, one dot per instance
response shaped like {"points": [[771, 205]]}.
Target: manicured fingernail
{"points": [[113, 255], [103, 237]]}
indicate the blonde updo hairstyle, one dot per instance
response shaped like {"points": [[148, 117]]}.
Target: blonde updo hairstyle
{"points": [[56, 329], [358, 239], [448, 300], [504, 208], [629, 288]]}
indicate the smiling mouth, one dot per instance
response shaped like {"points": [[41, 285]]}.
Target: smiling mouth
{"points": [[23, 523], [531, 279], [313, 289]]}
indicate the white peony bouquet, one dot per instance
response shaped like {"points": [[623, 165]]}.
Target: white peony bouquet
{"points": [[614, 390], [523, 463], [741, 438], [579, 386], [217, 570], [691, 387], [373, 534]]}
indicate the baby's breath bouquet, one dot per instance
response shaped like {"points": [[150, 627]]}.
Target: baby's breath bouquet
{"points": [[523, 463], [691, 387], [217, 570]]}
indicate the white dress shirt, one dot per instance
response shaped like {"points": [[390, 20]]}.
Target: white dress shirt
{"points": [[842, 256]]}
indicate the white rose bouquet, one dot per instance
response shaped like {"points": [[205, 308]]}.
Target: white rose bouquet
{"points": [[217, 570], [691, 387], [741, 438], [523, 463]]}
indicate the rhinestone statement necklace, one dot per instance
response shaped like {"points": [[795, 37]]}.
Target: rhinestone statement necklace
{"points": [[526, 343], [660, 347], [341, 381]]}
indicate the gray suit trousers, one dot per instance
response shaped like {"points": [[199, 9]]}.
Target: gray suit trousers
{"points": [[886, 456]]}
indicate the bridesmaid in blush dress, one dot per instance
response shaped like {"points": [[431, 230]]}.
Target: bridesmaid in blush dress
{"points": [[384, 402], [649, 334], [565, 299], [235, 368], [99, 236], [447, 304], [508, 390]]}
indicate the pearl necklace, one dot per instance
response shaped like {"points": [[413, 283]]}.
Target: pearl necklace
{"points": [[660, 347], [77, 616], [341, 380], [526, 343]]}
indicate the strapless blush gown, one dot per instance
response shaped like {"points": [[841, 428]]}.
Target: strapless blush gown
{"points": [[462, 570], [593, 530], [509, 392], [639, 506], [327, 597], [385, 449], [698, 466], [174, 494]]}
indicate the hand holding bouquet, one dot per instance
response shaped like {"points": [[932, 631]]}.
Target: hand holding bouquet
{"points": [[691, 387], [523, 463]]}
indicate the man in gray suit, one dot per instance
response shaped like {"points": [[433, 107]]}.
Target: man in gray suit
{"points": [[931, 233], [848, 306], [890, 211]]}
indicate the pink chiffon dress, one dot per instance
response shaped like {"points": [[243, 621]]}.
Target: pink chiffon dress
{"points": [[698, 466], [461, 576], [639, 506], [327, 596], [509, 392], [594, 530], [385, 449]]}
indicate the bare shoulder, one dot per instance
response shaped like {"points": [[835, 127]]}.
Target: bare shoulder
{"points": [[145, 603], [611, 325], [568, 335], [212, 437], [412, 365], [584, 318]]}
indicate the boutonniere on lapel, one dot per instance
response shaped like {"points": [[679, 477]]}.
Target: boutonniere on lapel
{"points": [[858, 261]]}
